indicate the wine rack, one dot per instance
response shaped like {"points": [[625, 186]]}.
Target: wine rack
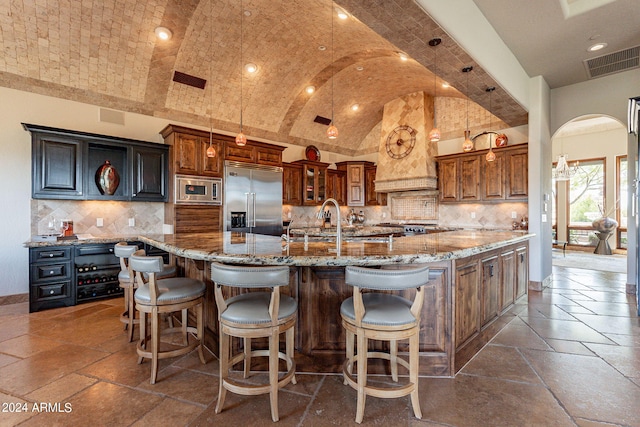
{"points": [[97, 271]]}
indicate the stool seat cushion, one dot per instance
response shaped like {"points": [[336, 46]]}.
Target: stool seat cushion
{"points": [[124, 276], [381, 310], [254, 308], [172, 291], [167, 271]]}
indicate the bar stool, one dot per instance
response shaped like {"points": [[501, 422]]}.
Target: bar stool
{"points": [[158, 296], [126, 278], [384, 317], [254, 315]]}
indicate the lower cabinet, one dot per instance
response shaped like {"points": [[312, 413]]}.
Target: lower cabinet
{"points": [[486, 287], [62, 276]]}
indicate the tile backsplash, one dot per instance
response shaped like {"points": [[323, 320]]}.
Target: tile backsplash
{"points": [[148, 216]]}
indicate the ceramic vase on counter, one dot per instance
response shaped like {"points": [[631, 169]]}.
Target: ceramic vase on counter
{"points": [[604, 225], [107, 178]]}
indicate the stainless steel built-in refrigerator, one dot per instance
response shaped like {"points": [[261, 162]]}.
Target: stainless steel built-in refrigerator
{"points": [[253, 198]]}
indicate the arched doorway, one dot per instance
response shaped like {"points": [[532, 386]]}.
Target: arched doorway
{"points": [[595, 147]]}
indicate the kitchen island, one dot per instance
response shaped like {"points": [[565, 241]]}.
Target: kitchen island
{"points": [[477, 280]]}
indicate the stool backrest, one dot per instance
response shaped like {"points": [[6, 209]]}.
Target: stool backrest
{"points": [[386, 280], [124, 251], [240, 276], [140, 263]]}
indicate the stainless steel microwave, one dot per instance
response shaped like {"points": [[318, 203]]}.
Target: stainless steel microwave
{"points": [[198, 190]]}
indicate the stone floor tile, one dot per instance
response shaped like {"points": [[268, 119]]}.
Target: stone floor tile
{"points": [[501, 362], [170, 412], [27, 345], [185, 385], [588, 387], [566, 330], [611, 324], [5, 359], [122, 368], [624, 359], [573, 347], [479, 401], [62, 389]]}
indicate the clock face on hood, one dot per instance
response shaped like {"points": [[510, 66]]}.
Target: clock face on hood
{"points": [[400, 142]]}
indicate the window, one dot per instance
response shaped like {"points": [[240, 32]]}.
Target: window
{"points": [[586, 201], [622, 187]]}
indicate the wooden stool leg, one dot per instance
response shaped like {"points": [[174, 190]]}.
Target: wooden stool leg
{"points": [[350, 344], [155, 343], [143, 334], [273, 373], [414, 342], [185, 321], [362, 374], [289, 348], [200, 331], [247, 357], [394, 359], [126, 311], [131, 311], [224, 368]]}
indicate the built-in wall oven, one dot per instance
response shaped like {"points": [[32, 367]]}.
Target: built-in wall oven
{"points": [[198, 190]]}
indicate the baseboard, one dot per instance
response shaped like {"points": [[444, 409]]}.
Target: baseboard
{"points": [[631, 288], [14, 299], [539, 286]]}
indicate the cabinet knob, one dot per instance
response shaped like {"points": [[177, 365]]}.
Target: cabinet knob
{"points": [[51, 292], [50, 255], [50, 271]]}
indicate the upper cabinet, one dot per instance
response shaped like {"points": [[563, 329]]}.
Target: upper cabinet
{"points": [[361, 190], [291, 184], [189, 151], [468, 177], [76, 165], [314, 182], [337, 185]]}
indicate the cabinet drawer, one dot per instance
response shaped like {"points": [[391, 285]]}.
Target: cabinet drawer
{"points": [[50, 271], [51, 253], [94, 249], [52, 290]]}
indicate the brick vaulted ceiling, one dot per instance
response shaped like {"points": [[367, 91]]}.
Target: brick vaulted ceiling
{"points": [[104, 52]]}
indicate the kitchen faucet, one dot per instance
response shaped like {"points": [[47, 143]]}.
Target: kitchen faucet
{"points": [[339, 221]]}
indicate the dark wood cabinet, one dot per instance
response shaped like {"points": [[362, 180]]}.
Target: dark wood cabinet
{"points": [[314, 182], [508, 279], [467, 279], [291, 184], [468, 177], [337, 185], [254, 152], [372, 197], [149, 175], [522, 271], [51, 282], [65, 164], [189, 151], [56, 167], [490, 289]]}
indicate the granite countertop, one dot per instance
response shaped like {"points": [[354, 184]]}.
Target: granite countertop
{"points": [[347, 231], [256, 249], [241, 248]]}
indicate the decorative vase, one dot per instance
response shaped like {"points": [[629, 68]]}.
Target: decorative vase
{"points": [[604, 225], [107, 178]]}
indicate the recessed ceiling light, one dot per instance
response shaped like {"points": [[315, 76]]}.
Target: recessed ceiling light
{"points": [[359, 68], [355, 107], [310, 89], [403, 56], [247, 13], [446, 85], [163, 33], [596, 47], [341, 13], [251, 68], [322, 48]]}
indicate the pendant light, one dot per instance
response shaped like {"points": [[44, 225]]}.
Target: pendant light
{"points": [[467, 145], [241, 139], [563, 172], [211, 152], [491, 156], [434, 135], [332, 130]]}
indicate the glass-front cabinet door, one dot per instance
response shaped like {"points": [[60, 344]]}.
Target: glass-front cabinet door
{"points": [[315, 182]]}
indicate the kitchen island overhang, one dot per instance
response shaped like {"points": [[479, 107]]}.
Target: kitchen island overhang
{"points": [[478, 283]]}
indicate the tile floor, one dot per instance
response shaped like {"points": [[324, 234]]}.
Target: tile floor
{"points": [[571, 357]]}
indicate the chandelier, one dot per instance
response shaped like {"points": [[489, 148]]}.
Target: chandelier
{"points": [[562, 171]]}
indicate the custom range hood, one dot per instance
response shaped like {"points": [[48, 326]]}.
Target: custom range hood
{"points": [[406, 158]]}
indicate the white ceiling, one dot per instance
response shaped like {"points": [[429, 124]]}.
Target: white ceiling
{"points": [[550, 37]]}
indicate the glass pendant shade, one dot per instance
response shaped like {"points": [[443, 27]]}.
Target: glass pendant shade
{"points": [[211, 152], [467, 145], [491, 156], [241, 139], [332, 132], [434, 135]]}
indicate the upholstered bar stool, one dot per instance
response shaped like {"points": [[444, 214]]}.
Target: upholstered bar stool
{"points": [[155, 297], [123, 251], [384, 317], [250, 315]]}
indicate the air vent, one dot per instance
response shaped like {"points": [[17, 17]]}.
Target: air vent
{"points": [[612, 63], [189, 80], [322, 120]]}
